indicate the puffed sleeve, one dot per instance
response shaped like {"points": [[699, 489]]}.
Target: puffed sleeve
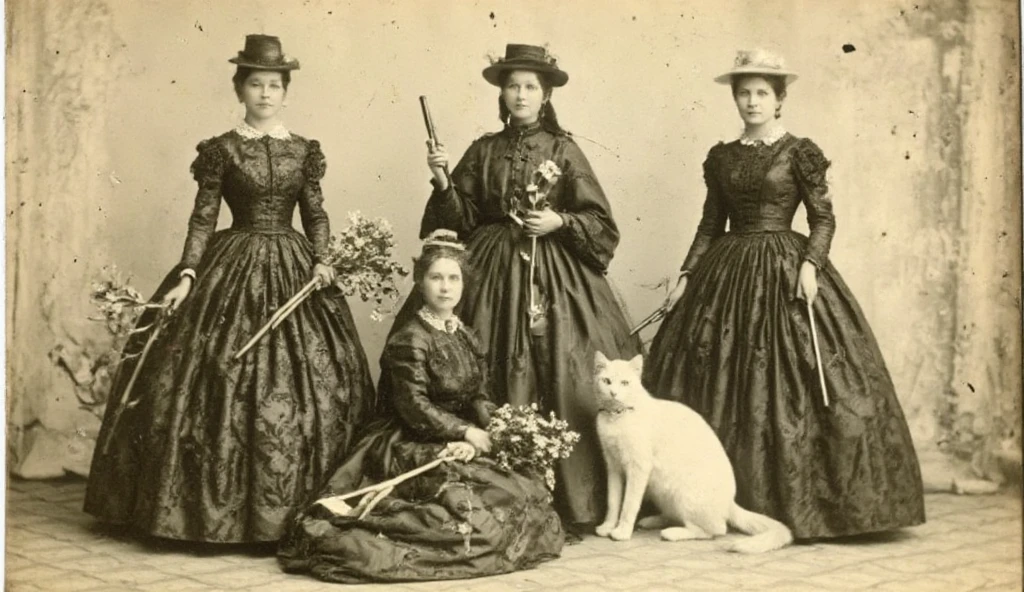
{"points": [[208, 170], [405, 360], [589, 231], [810, 167], [713, 220], [315, 222], [455, 207]]}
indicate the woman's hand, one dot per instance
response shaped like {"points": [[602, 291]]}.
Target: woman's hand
{"points": [[324, 273], [177, 294], [807, 285], [676, 293], [437, 160], [541, 222], [463, 451], [480, 439]]}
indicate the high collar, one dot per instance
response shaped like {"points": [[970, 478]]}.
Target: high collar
{"points": [[524, 130], [278, 132], [774, 134], [449, 325]]}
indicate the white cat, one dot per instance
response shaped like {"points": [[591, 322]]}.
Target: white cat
{"points": [[667, 450]]}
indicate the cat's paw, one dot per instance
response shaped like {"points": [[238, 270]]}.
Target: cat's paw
{"points": [[604, 529], [622, 533]]}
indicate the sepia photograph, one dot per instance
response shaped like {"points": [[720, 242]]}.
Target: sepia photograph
{"points": [[456, 295]]}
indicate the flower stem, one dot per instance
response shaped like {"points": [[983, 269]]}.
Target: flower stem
{"points": [[533, 265]]}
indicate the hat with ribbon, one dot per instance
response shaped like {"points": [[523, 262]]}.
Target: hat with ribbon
{"points": [[526, 57], [263, 52], [757, 62]]}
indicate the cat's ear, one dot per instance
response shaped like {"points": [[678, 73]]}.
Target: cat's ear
{"points": [[600, 361], [637, 364]]}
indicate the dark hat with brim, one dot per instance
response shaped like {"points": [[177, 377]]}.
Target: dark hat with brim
{"points": [[526, 57], [263, 52]]}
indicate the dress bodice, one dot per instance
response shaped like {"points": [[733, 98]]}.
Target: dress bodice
{"points": [[758, 187], [262, 180], [435, 380], [492, 177]]}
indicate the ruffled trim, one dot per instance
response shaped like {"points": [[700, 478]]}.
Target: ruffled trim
{"points": [[811, 164], [278, 132], [451, 325], [209, 165], [710, 166], [776, 133], [315, 165]]}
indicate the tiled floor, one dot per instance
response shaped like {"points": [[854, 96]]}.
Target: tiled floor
{"points": [[969, 543]]}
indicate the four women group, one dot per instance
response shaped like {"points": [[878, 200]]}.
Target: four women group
{"points": [[217, 450]]}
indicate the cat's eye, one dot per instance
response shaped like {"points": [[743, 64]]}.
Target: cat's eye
{"points": [[606, 380], [625, 383]]}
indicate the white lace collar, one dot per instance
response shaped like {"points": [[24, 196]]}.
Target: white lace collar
{"points": [[773, 135], [278, 132], [451, 325]]}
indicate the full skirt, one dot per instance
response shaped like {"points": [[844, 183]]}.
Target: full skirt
{"points": [[458, 520], [738, 349], [212, 449]]}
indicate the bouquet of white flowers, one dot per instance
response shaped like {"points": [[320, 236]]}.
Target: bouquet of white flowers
{"points": [[362, 256], [524, 441]]}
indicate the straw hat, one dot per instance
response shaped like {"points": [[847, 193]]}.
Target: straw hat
{"points": [[757, 61]]}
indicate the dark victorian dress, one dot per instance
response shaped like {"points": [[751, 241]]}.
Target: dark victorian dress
{"points": [[554, 369], [459, 520], [737, 348], [219, 450]]}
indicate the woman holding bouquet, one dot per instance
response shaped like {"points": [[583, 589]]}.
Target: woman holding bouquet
{"points": [[465, 518], [208, 448], [738, 344], [540, 338]]}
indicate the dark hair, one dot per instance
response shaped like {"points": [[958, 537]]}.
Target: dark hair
{"points": [[243, 72], [548, 117], [431, 253], [778, 83]]}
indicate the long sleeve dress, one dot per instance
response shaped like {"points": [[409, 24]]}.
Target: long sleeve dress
{"points": [[737, 349], [555, 369], [218, 450], [458, 520]]}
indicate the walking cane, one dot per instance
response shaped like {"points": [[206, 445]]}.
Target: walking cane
{"points": [[817, 352]]}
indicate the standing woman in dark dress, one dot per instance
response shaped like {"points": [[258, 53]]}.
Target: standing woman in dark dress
{"points": [[466, 518], [551, 365], [736, 344], [213, 449]]}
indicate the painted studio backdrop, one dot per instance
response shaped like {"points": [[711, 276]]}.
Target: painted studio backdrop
{"points": [[916, 105]]}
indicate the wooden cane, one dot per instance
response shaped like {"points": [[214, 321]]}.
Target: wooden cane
{"points": [[817, 352], [390, 482], [280, 315], [126, 393], [654, 317]]}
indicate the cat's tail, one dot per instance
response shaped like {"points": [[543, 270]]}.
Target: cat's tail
{"points": [[766, 533]]}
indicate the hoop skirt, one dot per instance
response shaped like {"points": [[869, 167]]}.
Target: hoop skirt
{"points": [[217, 450], [737, 348]]}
